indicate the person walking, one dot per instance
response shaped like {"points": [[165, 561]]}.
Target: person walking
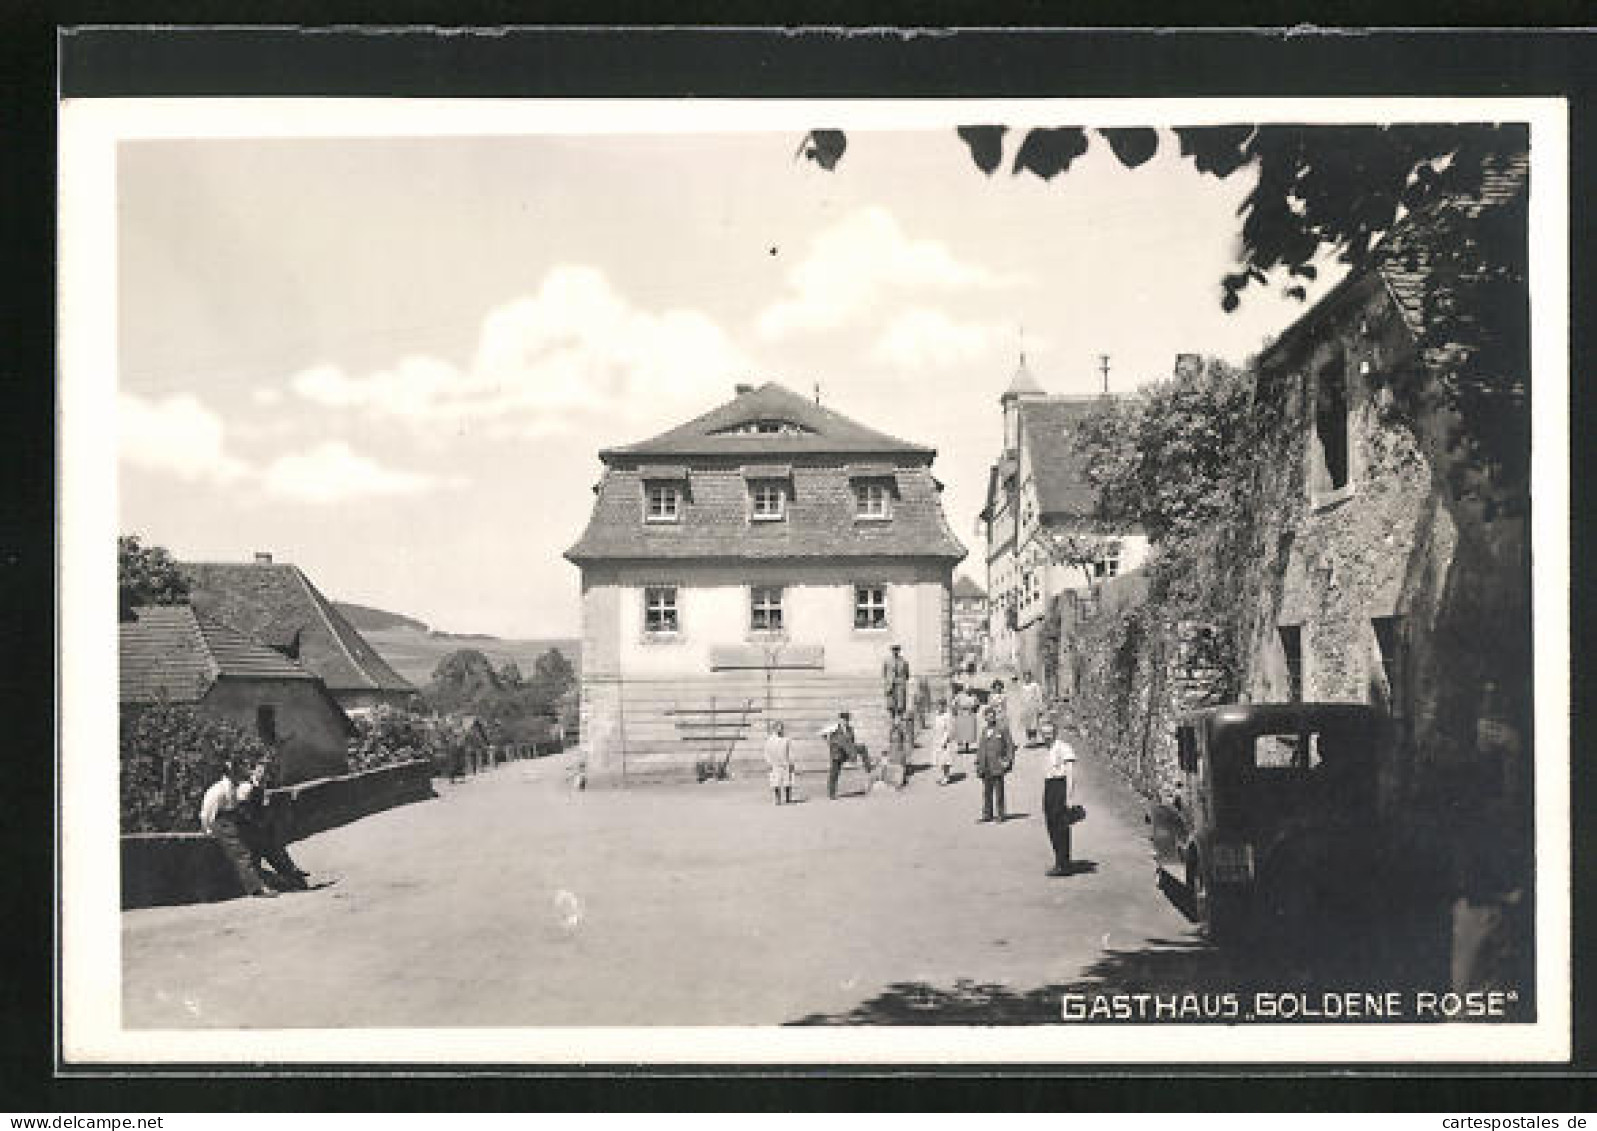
{"points": [[1058, 793], [219, 820], [995, 757], [943, 742], [839, 748], [779, 755], [1031, 707], [895, 683]]}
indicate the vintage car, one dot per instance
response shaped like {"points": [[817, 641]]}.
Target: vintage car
{"points": [[1277, 822]]}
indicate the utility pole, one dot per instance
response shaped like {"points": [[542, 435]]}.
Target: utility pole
{"points": [[1103, 367]]}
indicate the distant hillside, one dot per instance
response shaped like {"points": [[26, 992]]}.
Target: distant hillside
{"points": [[414, 654], [366, 619]]}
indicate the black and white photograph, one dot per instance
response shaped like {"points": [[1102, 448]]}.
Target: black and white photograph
{"points": [[951, 581]]}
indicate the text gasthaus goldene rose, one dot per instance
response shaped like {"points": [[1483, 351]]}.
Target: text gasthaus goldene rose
{"points": [[1291, 1005]]}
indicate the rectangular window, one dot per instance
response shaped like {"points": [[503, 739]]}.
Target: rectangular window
{"points": [[1330, 424], [870, 606], [660, 610], [871, 500], [769, 500], [765, 608], [664, 502], [1292, 649], [266, 724]]}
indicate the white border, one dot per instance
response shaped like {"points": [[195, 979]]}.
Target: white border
{"points": [[90, 952]]}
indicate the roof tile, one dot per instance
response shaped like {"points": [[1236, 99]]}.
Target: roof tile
{"points": [[275, 602]]}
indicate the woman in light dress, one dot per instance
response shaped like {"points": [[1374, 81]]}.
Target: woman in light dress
{"points": [[779, 755], [965, 705], [943, 742]]}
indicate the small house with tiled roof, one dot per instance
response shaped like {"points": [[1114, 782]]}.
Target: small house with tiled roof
{"points": [[1037, 489], [172, 654], [275, 603], [755, 563]]}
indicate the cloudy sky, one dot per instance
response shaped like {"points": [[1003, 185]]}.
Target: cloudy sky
{"points": [[393, 360]]}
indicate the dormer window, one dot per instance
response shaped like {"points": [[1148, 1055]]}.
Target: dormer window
{"points": [[766, 427], [767, 500], [872, 500], [662, 502]]}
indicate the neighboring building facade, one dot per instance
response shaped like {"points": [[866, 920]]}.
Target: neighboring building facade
{"points": [[276, 604], [1396, 587], [170, 653], [756, 563], [1035, 491], [970, 623]]}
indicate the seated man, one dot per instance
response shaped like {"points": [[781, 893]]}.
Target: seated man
{"points": [[219, 818], [259, 830]]}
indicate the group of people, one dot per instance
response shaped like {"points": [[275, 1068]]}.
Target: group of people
{"points": [[955, 731], [234, 812]]}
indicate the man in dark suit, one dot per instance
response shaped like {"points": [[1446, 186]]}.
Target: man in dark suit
{"points": [[840, 748], [895, 683], [995, 757]]}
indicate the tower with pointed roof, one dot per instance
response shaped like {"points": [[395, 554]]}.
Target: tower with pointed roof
{"points": [[755, 564]]}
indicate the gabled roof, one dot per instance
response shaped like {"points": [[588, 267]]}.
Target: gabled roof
{"points": [[816, 430], [1048, 432], [965, 587], [820, 520], [276, 603], [170, 652]]}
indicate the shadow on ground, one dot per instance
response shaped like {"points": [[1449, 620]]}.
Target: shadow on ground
{"points": [[1307, 961]]}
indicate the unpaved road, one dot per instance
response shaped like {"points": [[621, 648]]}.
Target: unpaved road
{"points": [[512, 900]]}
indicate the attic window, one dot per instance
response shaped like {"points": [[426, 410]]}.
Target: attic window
{"points": [[767, 500], [873, 500], [663, 502], [768, 427]]}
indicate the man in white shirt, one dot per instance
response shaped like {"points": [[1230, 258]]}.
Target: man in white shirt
{"points": [[1058, 789], [219, 819]]}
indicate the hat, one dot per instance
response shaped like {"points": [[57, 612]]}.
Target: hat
{"points": [[842, 714], [896, 647]]}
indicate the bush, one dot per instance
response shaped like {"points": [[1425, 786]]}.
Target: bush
{"points": [[388, 735], [170, 755]]}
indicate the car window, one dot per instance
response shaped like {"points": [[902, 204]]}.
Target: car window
{"points": [[1288, 751]]}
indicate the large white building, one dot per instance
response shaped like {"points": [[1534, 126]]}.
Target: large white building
{"points": [[756, 563], [1036, 490]]}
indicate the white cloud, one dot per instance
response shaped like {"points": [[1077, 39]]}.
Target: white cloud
{"points": [[333, 473], [178, 435], [923, 338], [576, 347], [857, 262]]}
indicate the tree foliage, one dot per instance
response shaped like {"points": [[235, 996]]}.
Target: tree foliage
{"points": [[466, 683], [146, 575], [1168, 458], [171, 754], [387, 735]]}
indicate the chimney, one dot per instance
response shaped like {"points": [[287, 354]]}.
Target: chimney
{"points": [[1188, 365], [742, 388], [263, 557]]}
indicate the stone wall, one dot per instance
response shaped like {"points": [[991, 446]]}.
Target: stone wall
{"points": [[1129, 670], [169, 868]]}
